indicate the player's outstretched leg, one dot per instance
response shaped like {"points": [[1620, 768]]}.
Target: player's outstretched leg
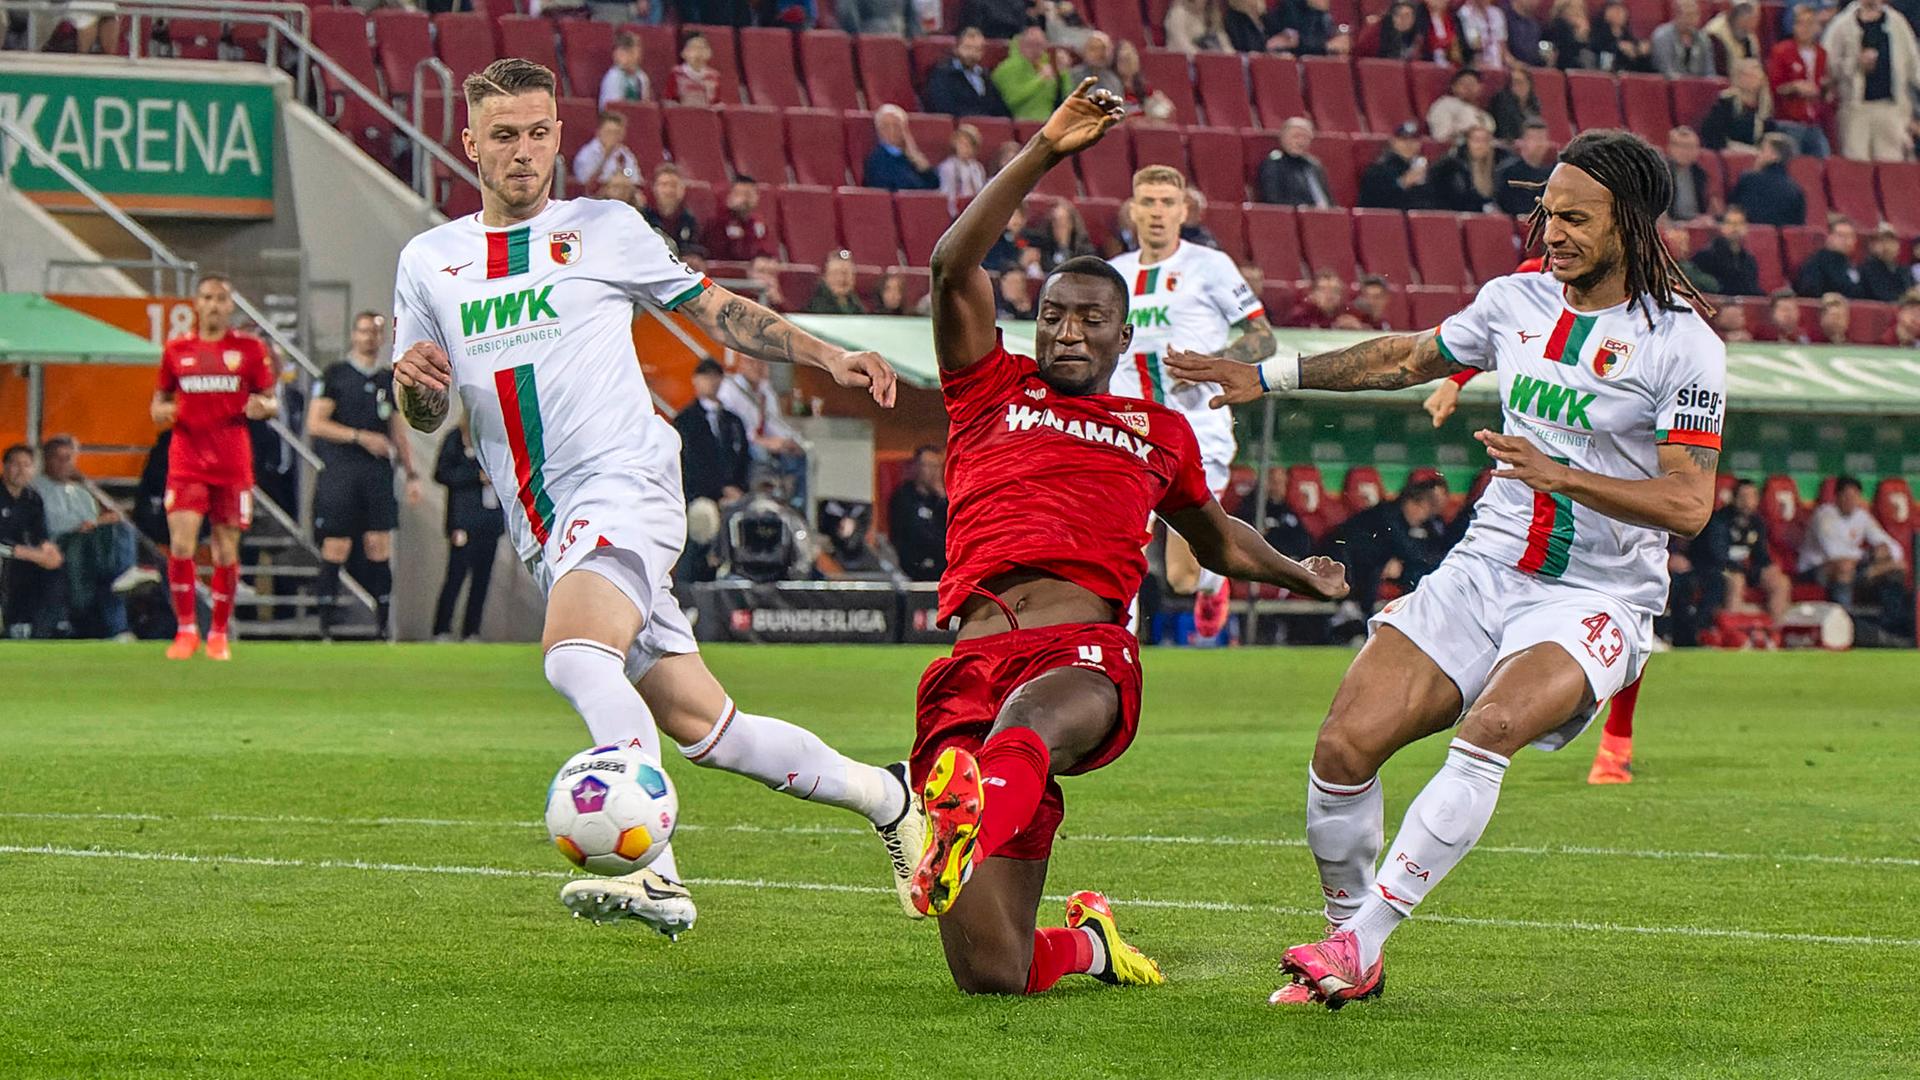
{"points": [[1112, 960], [1613, 762]]}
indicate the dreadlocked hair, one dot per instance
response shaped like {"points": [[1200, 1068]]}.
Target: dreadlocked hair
{"points": [[1642, 189]]}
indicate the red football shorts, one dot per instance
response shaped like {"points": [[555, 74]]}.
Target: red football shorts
{"points": [[960, 698], [221, 504]]}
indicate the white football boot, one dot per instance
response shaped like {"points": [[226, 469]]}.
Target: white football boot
{"points": [[905, 838], [646, 895]]}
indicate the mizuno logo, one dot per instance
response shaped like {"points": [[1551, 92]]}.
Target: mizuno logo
{"points": [[1525, 337], [502, 312], [1549, 400], [455, 270]]}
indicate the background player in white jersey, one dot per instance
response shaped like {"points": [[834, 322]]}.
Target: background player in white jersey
{"points": [[1190, 297], [526, 310], [1614, 395]]}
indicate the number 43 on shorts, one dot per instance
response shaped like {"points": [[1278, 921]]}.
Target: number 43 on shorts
{"points": [[1604, 641]]}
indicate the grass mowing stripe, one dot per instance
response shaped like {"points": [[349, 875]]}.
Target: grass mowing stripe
{"points": [[1573, 926], [1089, 838]]}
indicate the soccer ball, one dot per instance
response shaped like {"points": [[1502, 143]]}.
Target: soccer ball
{"points": [[611, 809]]}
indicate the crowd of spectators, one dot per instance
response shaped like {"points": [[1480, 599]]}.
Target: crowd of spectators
{"points": [[67, 555]]}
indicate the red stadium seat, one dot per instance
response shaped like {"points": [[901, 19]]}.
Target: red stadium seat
{"points": [[1899, 183], [1797, 244], [1255, 147], [528, 38], [1491, 251], [1595, 99], [1167, 72], [693, 138], [923, 218], [925, 53], [1273, 240], [1850, 191], [1781, 509], [1711, 161], [1723, 485], [643, 133], [1693, 98], [1383, 90], [194, 39], [1307, 498], [797, 282], [1217, 170], [1330, 91], [1550, 86], [1362, 488], [1276, 88], [1118, 19], [1428, 83], [726, 58], [827, 58], [1335, 152], [931, 132], [994, 130], [867, 226], [1428, 305], [1228, 223], [1437, 250], [586, 47], [1893, 506], [1100, 216], [766, 59], [807, 224], [1811, 174], [659, 52], [579, 119], [1871, 321], [1106, 167], [1222, 81], [1382, 245], [1644, 15], [1647, 107], [1158, 144], [403, 39], [817, 145], [856, 129], [1326, 239], [342, 33], [884, 75], [756, 142], [465, 44]]}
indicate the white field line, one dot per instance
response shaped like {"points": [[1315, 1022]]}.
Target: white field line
{"points": [[1089, 838], [1570, 926]]}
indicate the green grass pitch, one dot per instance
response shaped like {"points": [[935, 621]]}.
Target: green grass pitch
{"points": [[325, 861]]}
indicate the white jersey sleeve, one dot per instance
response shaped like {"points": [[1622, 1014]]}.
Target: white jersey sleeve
{"points": [[1692, 406], [1466, 337], [1229, 293], [653, 272], [413, 319]]}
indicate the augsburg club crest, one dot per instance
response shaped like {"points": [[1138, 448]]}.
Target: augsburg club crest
{"points": [[565, 246], [1611, 354]]}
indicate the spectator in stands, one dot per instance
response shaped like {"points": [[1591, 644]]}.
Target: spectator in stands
{"points": [[997, 19], [836, 294], [1615, 45], [849, 548], [1680, 47], [1464, 179], [605, 157], [1797, 74], [1030, 80], [1783, 323], [1905, 331], [1251, 28], [917, 516], [1396, 541], [1875, 61], [1066, 28], [1195, 26], [894, 18], [1730, 323], [1483, 33], [1441, 42], [695, 81], [1371, 309], [276, 467], [1322, 304], [1121, 235], [739, 233], [474, 527], [1823, 13], [1291, 175], [1740, 116], [1003, 157], [1015, 294], [772, 443], [1309, 26], [959, 85], [1517, 182], [1849, 553], [713, 441], [1571, 34], [1397, 179], [1732, 555], [1453, 113], [891, 297], [962, 175], [624, 81], [1727, 259], [1139, 94], [1695, 199], [1005, 254], [1733, 36], [1836, 318], [1063, 236], [895, 163], [1766, 192], [1524, 33], [1515, 105], [1680, 246], [96, 546], [1195, 231], [1255, 277], [1399, 35], [29, 559], [695, 256], [1883, 273], [1831, 269], [669, 211], [765, 273], [1096, 62]]}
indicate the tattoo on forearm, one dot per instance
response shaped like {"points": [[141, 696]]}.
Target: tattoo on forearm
{"points": [[1707, 460], [1255, 342], [744, 325], [423, 408], [1382, 363]]}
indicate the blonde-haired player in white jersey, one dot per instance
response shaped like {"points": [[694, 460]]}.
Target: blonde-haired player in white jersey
{"points": [[1192, 297], [1613, 390], [525, 310]]}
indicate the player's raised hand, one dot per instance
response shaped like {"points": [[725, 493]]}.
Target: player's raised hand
{"points": [[1081, 119], [1524, 461], [1329, 580], [1239, 383], [1441, 403], [866, 369], [424, 366]]}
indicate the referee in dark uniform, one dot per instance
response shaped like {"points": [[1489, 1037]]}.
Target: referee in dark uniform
{"points": [[359, 436]]}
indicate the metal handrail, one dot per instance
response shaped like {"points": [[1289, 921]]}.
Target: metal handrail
{"points": [[430, 65]]}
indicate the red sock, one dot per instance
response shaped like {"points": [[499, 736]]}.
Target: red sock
{"points": [[1620, 716], [1057, 951], [225, 580], [181, 577], [1013, 769]]}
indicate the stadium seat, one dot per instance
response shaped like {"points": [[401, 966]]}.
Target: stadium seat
{"points": [[529, 38], [1307, 498], [1647, 107], [1329, 83], [1381, 237], [643, 134], [1158, 144], [1383, 91], [659, 52], [401, 39], [1716, 171], [1428, 305], [1798, 243], [818, 146], [1893, 506], [1335, 152], [923, 217], [925, 53], [1167, 72], [807, 225], [1326, 240], [1057, 182], [884, 75], [1595, 99], [586, 52], [1899, 184], [1550, 86], [1780, 508], [994, 130], [1811, 174], [726, 57], [1217, 168], [694, 140], [856, 130], [1871, 321], [1362, 488], [1100, 216], [1764, 242], [766, 61], [1273, 240], [464, 42], [1736, 163], [1723, 486], [1228, 223], [756, 142], [194, 39], [579, 120], [867, 225], [1693, 98], [931, 132], [342, 34], [1428, 83], [1118, 19], [827, 58], [1106, 167], [797, 282], [1850, 191], [1437, 250], [1221, 79], [1276, 88], [1490, 249]]}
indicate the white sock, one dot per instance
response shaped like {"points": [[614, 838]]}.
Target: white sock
{"points": [[593, 679], [1345, 828], [1208, 582], [1444, 822], [793, 760], [1099, 965]]}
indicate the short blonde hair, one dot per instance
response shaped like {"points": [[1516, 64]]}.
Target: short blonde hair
{"points": [[506, 78], [1159, 174]]}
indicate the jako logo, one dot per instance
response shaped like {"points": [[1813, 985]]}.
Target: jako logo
{"points": [[506, 311], [1547, 400], [1026, 418]]}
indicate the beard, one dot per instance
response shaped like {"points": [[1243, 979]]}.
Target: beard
{"points": [[1605, 266]]}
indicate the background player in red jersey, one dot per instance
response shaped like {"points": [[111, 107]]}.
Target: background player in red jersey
{"points": [[1049, 479], [212, 381]]}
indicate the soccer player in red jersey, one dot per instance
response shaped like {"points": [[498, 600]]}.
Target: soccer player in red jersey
{"points": [[1050, 480], [212, 381]]}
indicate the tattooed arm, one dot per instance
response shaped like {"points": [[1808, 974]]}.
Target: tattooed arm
{"points": [[1381, 363], [422, 378], [1255, 342], [1679, 500], [748, 327]]}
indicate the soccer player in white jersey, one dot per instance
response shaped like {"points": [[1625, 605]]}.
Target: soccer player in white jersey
{"points": [[1190, 297], [525, 310], [1613, 390]]}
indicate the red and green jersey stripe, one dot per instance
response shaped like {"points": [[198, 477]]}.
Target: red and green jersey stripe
{"points": [[1148, 365], [1146, 281], [1569, 336], [506, 253], [1549, 534], [520, 405], [1708, 439]]}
